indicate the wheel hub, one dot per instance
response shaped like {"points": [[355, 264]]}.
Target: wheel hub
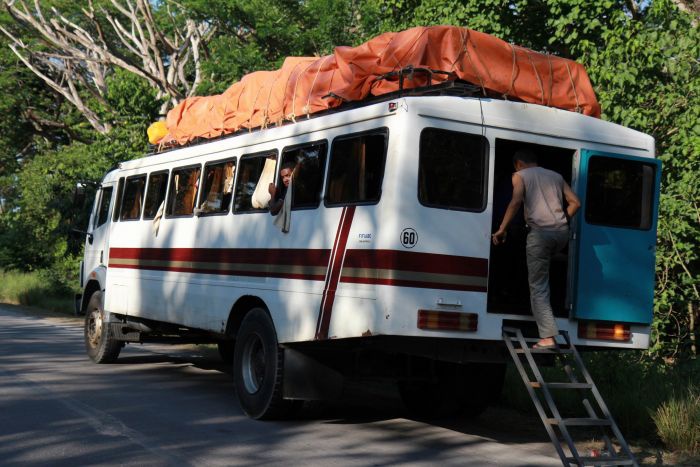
{"points": [[253, 364], [94, 327]]}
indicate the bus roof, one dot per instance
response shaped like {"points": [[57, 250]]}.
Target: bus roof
{"points": [[489, 113]]}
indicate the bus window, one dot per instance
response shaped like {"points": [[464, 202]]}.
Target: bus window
{"points": [[184, 184], [310, 162], [103, 210], [133, 198], [356, 169], [218, 187], [452, 170], [620, 193], [155, 193], [118, 200], [255, 173]]}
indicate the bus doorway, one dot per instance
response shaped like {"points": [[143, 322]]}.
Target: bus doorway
{"points": [[508, 290]]}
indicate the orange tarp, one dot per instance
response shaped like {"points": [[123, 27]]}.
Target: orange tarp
{"points": [[303, 85]]}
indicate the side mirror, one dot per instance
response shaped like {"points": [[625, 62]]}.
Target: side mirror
{"points": [[79, 194], [83, 232]]}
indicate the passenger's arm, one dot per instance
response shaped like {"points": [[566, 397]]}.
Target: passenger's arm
{"points": [[275, 204], [573, 202], [516, 201]]}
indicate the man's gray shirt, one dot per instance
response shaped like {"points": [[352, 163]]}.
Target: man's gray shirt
{"points": [[544, 206]]}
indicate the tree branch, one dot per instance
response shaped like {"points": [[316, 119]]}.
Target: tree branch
{"points": [[80, 56]]}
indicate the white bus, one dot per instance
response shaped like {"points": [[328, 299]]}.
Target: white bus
{"points": [[387, 269]]}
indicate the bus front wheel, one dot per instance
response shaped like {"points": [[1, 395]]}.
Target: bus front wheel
{"points": [[258, 369], [100, 343]]}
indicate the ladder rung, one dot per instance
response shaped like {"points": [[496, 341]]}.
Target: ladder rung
{"points": [[535, 384], [546, 351], [579, 421], [601, 460]]}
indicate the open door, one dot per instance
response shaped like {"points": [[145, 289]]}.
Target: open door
{"points": [[616, 237]]}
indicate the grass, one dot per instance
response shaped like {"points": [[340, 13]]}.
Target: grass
{"points": [[653, 404], [678, 422], [32, 289]]}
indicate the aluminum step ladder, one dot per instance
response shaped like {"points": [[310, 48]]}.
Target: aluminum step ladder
{"points": [[541, 392]]}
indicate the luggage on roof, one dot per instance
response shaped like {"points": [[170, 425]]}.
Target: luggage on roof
{"points": [[307, 85]]}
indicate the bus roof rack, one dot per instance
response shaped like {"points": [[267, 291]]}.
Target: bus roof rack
{"points": [[453, 87]]}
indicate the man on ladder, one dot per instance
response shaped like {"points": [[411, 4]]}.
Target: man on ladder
{"points": [[542, 192]]}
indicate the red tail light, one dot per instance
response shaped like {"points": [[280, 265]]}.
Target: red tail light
{"points": [[447, 321], [604, 331]]}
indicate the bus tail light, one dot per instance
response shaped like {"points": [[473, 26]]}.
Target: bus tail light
{"points": [[434, 320], [604, 331]]}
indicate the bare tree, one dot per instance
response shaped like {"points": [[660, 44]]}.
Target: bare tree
{"points": [[73, 58]]}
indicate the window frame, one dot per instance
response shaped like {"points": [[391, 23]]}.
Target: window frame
{"points": [[116, 211], [267, 153], [324, 175], [652, 199], [233, 159], [167, 186], [96, 219], [485, 180], [384, 131], [168, 191], [126, 183]]}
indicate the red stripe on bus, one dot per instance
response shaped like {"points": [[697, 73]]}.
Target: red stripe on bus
{"points": [[281, 275], [280, 256], [417, 284], [420, 262], [334, 268]]}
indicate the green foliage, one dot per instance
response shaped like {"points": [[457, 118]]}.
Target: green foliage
{"points": [[44, 214], [131, 99], [259, 34]]}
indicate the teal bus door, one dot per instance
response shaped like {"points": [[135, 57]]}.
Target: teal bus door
{"points": [[616, 237]]}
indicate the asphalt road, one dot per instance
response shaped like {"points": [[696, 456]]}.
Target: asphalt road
{"points": [[161, 405]]}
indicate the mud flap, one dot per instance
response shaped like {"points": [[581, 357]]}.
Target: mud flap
{"points": [[306, 378]]}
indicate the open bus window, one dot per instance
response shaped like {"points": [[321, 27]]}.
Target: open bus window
{"points": [[218, 188], [620, 193], [255, 173], [356, 169], [133, 198], [118, 200], [452, 170], [155, 194], [310, 166], [103, 209], [184, 184]]}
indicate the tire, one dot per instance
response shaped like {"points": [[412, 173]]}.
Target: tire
{"points": [[100, 343], [258, 368]]}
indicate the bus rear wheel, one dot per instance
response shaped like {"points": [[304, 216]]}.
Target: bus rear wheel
{"points": [[258, 368], [100, 343]]}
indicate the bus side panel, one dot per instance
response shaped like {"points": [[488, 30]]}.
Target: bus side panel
{"points": [[384, 297]]}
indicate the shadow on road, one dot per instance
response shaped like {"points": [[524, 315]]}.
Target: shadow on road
{"points": [[163, 405]]}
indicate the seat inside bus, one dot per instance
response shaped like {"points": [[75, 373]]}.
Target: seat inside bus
{"points": [[508, 290]]}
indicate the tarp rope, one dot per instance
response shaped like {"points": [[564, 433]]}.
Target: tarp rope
{"points": [[573, 86]]}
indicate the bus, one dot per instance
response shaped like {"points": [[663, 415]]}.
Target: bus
{"points": [[384, 267]]}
